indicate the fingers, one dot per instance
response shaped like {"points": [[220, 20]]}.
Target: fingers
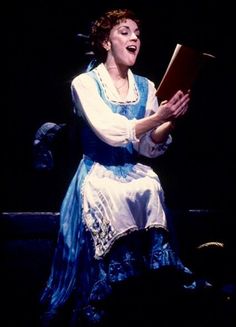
{"points": [[179, 103], [163, 102], [179, 96], [176, 97], [177, 106], [182, 109]]}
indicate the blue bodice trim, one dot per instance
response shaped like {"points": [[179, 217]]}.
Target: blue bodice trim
{"points": [[103, 153]]}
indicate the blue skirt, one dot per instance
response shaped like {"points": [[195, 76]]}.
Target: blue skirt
{"points": [[85, 282]]}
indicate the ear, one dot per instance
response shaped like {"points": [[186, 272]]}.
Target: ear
{"points": [[106, 45]]}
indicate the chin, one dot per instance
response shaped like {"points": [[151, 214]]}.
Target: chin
{"points": [[131, 62]]}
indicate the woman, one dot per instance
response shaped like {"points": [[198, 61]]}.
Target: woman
{"points": [[113, 225]]}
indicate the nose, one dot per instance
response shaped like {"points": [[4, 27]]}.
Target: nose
{"points": [[134, 36]]}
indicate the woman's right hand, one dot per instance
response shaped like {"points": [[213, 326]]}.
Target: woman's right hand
{"points": [[176, 107]]}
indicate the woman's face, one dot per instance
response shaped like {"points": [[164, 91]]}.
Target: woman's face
{"points": [[124, 43]]}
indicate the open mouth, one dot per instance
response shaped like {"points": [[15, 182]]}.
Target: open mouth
{"points": [[132, 48]]}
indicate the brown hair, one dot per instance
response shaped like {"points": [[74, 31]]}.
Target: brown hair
{"points": [[102, 26]]}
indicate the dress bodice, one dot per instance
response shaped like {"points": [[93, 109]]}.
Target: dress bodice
{"points": [[103, 153]]}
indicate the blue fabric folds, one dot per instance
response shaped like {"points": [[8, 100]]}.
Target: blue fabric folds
{"points": [[134, 255], [76, 275]]}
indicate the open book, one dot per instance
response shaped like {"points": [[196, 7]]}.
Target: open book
{"points": [[182, 71]]}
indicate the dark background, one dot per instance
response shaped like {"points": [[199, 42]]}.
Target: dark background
{"points": [[44, 54], [197, 172]]}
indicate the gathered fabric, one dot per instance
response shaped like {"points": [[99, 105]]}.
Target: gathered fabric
{"points": [[113, 222]]}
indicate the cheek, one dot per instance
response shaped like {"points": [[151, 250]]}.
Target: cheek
{"points": [[118, 49], [139, 45], [117, 44]]}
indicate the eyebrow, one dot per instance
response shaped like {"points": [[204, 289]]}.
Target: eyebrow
{"points": [[125, 26]]}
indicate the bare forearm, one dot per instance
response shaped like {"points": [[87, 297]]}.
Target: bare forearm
{"points": [[160, 133], [146, 124], [161, 121], [161, 129]]}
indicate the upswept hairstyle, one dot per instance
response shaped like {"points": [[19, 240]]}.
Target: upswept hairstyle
{"points": [[101, 28]]}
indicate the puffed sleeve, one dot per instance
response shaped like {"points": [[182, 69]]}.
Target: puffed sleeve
{"points": [[112, 128], [146, 146]]}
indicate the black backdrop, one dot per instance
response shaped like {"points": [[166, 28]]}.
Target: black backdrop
{"points": [[44, 54]]}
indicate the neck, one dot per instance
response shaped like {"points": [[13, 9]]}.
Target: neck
{"points": [[119, 75], [117, 72]]}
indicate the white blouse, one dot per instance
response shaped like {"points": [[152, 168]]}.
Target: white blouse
{"points": [[113, 128]]}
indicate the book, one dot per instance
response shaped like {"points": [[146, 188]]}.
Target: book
{"points": [[182, 71]]}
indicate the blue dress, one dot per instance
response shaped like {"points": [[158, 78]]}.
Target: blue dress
{"points": [[113, 223]]}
